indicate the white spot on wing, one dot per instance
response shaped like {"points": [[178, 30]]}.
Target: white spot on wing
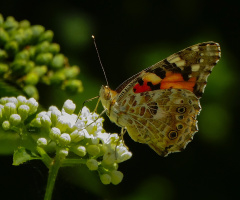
{"points": [[195, 48], [180, 63], [195, 67], [173, 59]]}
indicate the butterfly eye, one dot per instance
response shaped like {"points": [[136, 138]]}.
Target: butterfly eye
{"points": [[107, 93], [181, 109], [172, 135]]}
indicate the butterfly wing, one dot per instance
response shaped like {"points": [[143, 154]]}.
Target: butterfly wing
{"points": [[159, 105], [165, 120], [187, 69]]}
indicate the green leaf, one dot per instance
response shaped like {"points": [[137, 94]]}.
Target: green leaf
{"points": [[8, 142], [22, 155]]}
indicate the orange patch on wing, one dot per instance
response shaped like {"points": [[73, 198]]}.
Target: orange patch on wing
{"points": [[148, 77], [141, 88], [175, 80], [151, 77]]}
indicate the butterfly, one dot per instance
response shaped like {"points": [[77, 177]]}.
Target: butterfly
{"points": [[159, 105]]}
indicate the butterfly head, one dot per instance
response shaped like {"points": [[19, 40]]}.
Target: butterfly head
{"points": [[107, 96]]}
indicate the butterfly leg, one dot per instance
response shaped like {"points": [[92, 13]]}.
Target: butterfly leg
{"points": [[95, 109], [123, 131], [86, 102]]}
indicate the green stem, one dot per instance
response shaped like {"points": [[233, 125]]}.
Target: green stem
{"points": [[73, 162], [53, 171]]}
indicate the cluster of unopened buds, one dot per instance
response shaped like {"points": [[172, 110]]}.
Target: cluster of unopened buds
{"points": [[29, 57], [71, 136]]}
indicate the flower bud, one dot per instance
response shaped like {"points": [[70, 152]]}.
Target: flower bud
{"points": [[42, 142], [32, 52], [55, 114], [31, 78], [46, 121], [4, 38], [92, 164], [3, 100], [46, 36], [63, 153], [44, 58], [24, 24], [10, 23], [116, 176], [18, 36], [13, 100], [72, 72], [33, 105], [93, 150], [64, 139], [73, 86], [124, 156], [15, 119], [36, 122], [80, 150], [105, 179], [58, 61], [42, 47], [9, 109], [62, 123], [54, 48], [57, 78], [6, 125], [77, 135], [109, 158], [18, 66], [40, 70], [31, 91], [24, 54], [69, 107], [28, 37], [23, 111], [21, 100], [30, 65], [55, 133], [11, 47], [37, 30], [3, 54]]}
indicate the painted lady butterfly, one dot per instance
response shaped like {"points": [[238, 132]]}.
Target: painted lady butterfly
{"points": [[159, 105]]}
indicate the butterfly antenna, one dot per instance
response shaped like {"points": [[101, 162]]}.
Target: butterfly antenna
{"points": [[99, 58]]}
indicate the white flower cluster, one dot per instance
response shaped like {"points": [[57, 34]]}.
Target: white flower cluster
{"points": [[85, 137], [66, 132], [14, 111]]}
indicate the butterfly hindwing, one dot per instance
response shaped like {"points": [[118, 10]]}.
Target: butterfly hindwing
{"points": [[165, 120]]}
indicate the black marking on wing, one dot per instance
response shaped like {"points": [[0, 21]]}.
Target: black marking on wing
{"points": [[171, 66], [186, 72], [197, 92], [160, 72], [140, 81], [154, 87]]}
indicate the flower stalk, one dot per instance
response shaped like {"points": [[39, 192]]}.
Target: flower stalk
{"points": [[53, 171]]}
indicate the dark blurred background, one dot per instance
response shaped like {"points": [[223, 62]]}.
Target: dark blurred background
{"points": [[132, 35]]}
